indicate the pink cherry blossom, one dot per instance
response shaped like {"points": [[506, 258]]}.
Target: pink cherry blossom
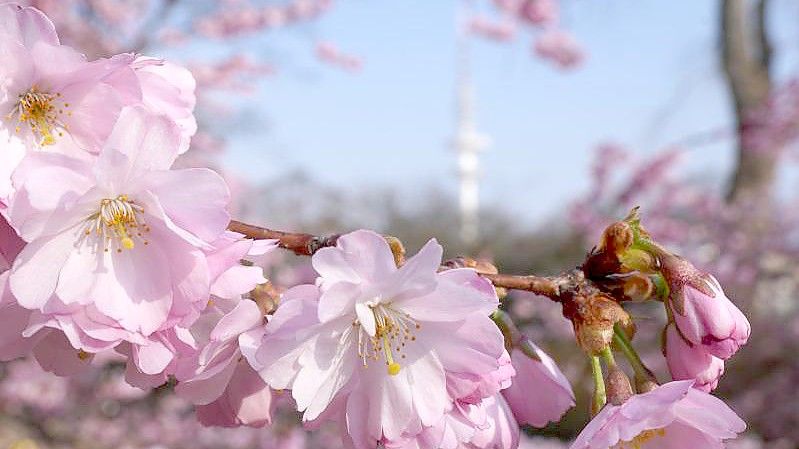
{"points": [[50, 90], [559, 47], [690, 361], [378, 341], [707, 317], [537, 376], [487, 424], [124, 235], [671, 415], [539, 12], [227, 391]]}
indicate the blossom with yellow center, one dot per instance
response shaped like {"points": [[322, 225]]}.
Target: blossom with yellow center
{"points": [[117, 221], [42, 112], [394, 329]]}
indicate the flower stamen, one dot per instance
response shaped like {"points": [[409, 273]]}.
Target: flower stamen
{"points": [[41, 111], [393, 331], [118, 220]]}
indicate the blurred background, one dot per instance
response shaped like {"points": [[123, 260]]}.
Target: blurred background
{"points": [[508, 129]]}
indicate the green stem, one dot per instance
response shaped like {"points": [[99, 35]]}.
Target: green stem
{"points": [[621, 340], [600, 397]]}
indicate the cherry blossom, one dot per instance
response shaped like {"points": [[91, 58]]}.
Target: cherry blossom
{"points": [[50, 90], [376, 341], [124, 235], [671, 415], [537, 372], [702, 312]]}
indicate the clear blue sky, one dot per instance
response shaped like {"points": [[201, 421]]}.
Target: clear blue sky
{"points": [[650, 79]]}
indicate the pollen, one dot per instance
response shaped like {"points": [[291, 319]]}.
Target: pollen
{"points": [[42, 113], [393, 331], [117, 224]]}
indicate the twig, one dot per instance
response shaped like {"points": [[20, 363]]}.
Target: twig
{"points": [[307, 244]]}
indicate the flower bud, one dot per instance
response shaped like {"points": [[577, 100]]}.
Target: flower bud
{"points": [[702, 312], [536, 371], [616, 238], [687, 361], [617, 385]]}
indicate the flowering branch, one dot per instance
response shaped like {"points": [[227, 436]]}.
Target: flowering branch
{"points": [[307, 244]]}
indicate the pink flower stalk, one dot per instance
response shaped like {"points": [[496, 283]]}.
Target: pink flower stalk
{"points": [[537, 372], [671, 415], [50, 90], [123, 235], [689, 361], [378, 342], [559, 47], [702, 312]]}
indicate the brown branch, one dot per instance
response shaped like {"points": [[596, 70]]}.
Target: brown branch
{"points": [[307, 244], [297, 242], [543, 286]]}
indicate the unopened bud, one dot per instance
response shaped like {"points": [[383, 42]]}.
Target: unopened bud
{"points": [[617, 385], [634, 259], [616, 238]]}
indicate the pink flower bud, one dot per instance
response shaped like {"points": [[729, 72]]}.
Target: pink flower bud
{"points": [[536, 371], [704, 314], [687, 361]]}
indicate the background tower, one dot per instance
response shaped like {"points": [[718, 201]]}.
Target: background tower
{"points": [[468, 142]]}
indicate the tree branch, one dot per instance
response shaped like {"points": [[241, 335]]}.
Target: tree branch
{"points": [[307, 244]]}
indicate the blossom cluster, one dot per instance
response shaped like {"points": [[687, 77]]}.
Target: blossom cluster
{"points": [[108, 251]]}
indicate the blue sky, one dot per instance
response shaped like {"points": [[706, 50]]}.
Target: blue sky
{"points": [[650, 79]]}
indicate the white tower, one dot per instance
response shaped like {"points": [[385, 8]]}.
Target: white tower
{"points": [[468, 142]]}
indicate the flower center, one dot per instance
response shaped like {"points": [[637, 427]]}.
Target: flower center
{"points": [[117, 223], [394, 330], [641, 439], [41, 111]]}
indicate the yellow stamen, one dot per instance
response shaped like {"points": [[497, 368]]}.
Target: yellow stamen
{"points": [[41, 112], [118, 219]]}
